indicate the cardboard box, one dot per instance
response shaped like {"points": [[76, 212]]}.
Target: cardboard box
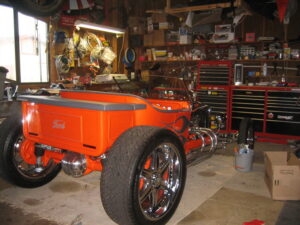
{"points": [[158, 37], [137, 30], [135, 21], [148, 39], [159, 26], [145, 75], [282, 175], [136, 25], [172, 37], [185, 39], [165, 26], [136, 41], [159, 17]]}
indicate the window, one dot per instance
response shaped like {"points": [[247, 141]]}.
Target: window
{"points": [[31, 64], [7, 42], [33, 46]]}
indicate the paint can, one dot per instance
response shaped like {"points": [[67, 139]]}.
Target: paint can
{"points": [[244, 160]]}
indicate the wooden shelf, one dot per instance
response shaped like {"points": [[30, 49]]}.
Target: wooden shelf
{"points": [[186, 45], [236, 3], [236, 60], [265, 88], [169, 45], [170, 61], [266, 60], [169, 10], [208, 44]]}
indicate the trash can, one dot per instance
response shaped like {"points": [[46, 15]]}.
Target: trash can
{"points": [[3, 72], [244, 160]]}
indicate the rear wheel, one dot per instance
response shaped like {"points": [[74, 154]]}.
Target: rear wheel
{"points": [[38, 7], [13, 167], [246, 133], [143, 177]]}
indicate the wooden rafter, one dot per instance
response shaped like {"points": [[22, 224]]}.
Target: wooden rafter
{"points": [[169, 10]]}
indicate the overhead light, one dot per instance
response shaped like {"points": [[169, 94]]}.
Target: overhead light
{"points": [[94, 26]]}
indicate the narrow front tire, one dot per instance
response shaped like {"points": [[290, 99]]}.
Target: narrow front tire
{"points": [[13, 168]]}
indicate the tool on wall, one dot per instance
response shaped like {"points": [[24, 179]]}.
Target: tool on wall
{"points": [[274, 73]]}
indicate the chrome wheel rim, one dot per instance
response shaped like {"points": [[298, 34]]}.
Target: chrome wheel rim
{"points": [[159, 181], [250, 137], [25, 169], [43, 3]]}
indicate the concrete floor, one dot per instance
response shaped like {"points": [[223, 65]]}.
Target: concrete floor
{"points": [[215, 194]]}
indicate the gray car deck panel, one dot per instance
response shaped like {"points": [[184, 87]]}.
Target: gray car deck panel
{"points": [[81, 104]]}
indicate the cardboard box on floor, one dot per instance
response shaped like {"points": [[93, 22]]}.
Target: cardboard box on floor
{"points": [[282, 175]]}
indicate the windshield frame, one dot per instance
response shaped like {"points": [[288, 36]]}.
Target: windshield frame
{"points": [[152, 87]]}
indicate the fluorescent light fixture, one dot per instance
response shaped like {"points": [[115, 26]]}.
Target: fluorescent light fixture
{"points": [[94, 26]]}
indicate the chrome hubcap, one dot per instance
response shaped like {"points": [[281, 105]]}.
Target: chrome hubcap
{"points": [[28, 170], [159, 181]]}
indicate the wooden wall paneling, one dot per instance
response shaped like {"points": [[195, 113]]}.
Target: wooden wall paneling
{"points": [[124, 43], [114, 45], [114, 22], [263, 26], [293, 27], [119, 44]]}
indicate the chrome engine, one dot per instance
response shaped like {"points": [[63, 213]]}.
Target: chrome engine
{"points": [[206, 134], [200, 129], [74, 164]]}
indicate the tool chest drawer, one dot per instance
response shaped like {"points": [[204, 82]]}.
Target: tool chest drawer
{"points": [[214, 73], [216, 99], [248, 103], [283, 113], [275, 111]]}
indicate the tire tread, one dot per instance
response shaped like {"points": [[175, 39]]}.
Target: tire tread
{"points": [[9, 128], [122, 154]]}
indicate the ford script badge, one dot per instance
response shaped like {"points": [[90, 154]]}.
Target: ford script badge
{"points": [[58, 124]]}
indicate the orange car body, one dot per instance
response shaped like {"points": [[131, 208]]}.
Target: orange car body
{"points": [[89, 122]]}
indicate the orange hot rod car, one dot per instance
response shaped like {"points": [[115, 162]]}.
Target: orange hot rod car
{"points": [[140, 141]]}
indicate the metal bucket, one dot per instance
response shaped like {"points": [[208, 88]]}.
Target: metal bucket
{"points": [[244, 160]]}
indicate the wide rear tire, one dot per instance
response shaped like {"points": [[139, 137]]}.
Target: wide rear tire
{"points": [[246, 133], [42, 8], [143, 177], [12, 167]]}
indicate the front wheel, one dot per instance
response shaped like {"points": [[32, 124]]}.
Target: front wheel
{"points": [[143, 177], [13, 168], [246, 133]]}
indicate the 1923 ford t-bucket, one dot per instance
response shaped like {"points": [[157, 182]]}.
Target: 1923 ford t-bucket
{"points": [[140, 141]]}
